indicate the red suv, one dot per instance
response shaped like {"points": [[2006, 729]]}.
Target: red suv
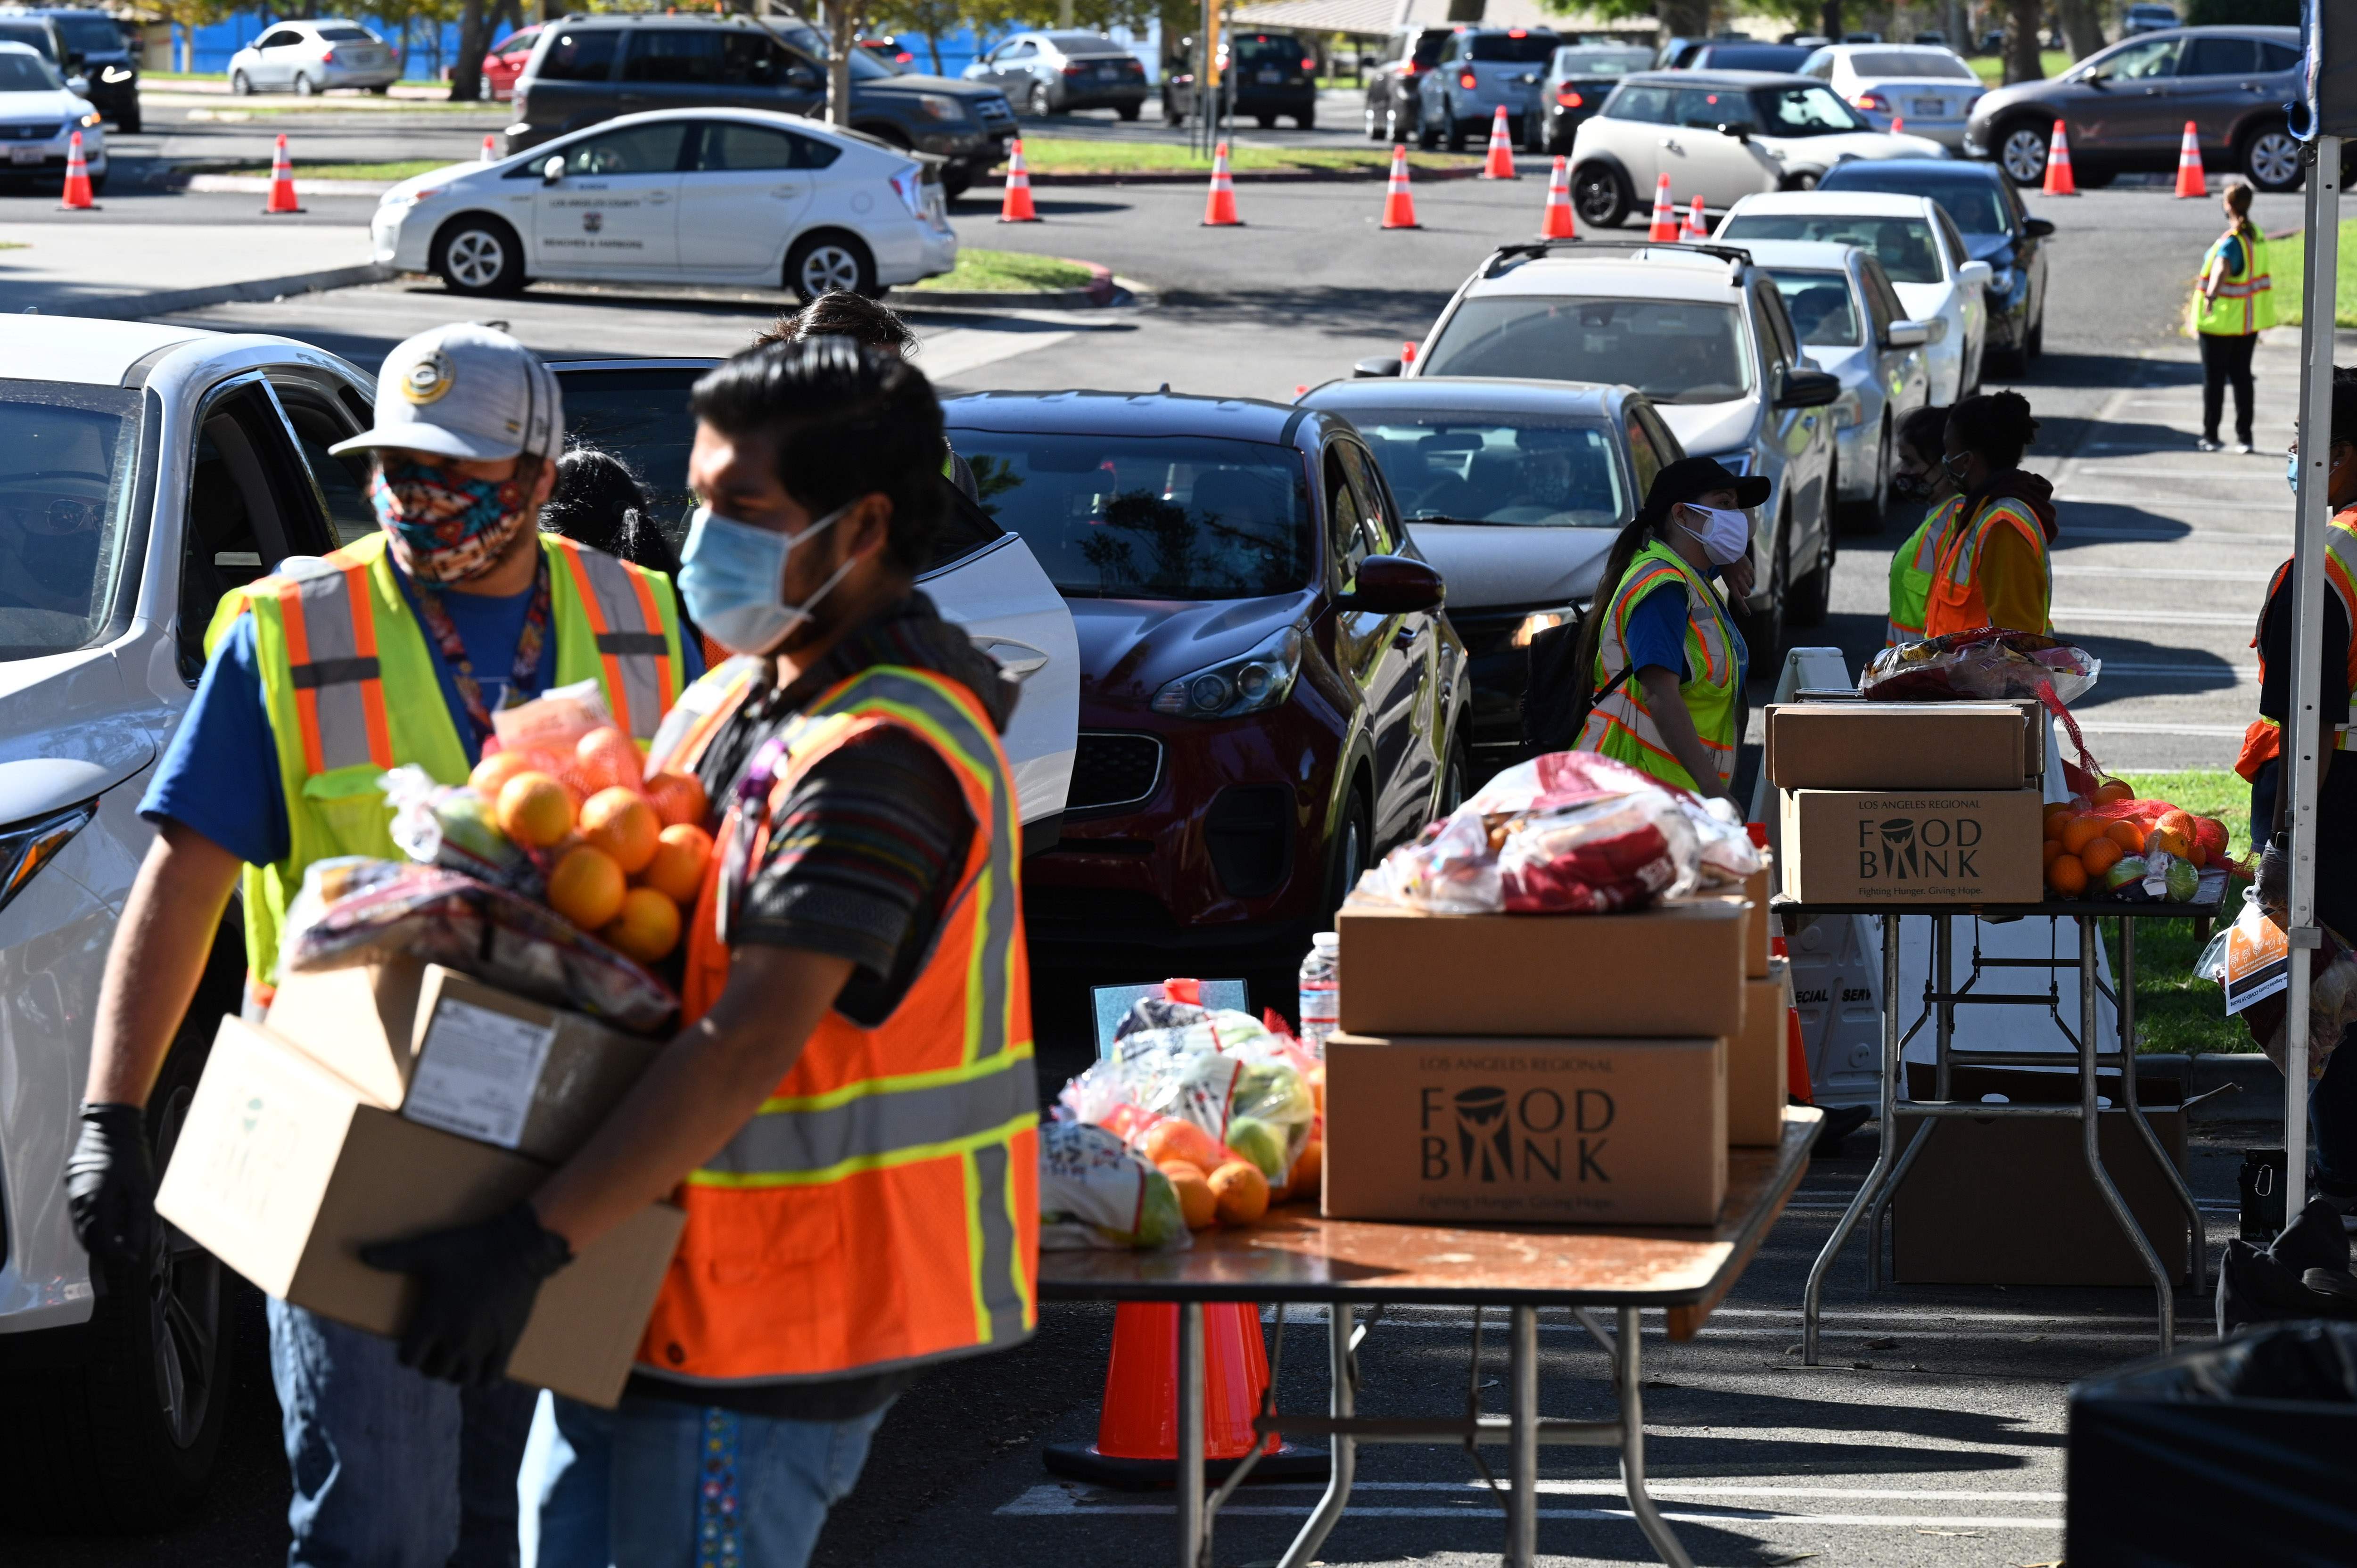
{"points": [[1270, 696], [505, 62]]}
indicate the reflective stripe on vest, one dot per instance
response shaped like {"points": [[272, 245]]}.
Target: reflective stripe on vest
{"points": [[2245, 301], [1621, 726], [2263, 739], [1912, 570], [333, 667], [888, 1185], [638, 657], [1957, 602]]}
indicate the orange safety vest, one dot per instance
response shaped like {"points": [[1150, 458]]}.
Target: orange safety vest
{"points": [[2263, 741], [880, 1211], [1957, 602]]}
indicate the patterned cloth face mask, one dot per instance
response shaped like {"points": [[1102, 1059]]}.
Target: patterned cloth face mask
{"points": [[446, 527]]}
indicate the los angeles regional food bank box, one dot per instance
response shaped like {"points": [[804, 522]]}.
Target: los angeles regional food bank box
{"points": [[1854, 846]]}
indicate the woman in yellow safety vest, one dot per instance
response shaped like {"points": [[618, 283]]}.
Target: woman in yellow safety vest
{"points": [[1664, 661], [1993, 568], [2235, 303], [1917, 478]]}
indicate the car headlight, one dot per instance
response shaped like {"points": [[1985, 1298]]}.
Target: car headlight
{"points": [[1261, 679], [28, 846], [1735, 463], [1848, 409], [405, 197], [1538, 621], [939, 106], [87, 122]]}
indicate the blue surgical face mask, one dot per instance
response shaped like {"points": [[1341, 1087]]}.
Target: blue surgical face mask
{"points": [[2291, 471], [731, 574]]}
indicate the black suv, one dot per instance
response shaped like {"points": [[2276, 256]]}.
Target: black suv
{"points": [[95, 47], [1391, 84], [1267, 75], [588, 68]]}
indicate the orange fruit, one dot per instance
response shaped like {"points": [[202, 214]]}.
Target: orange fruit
{"points": [[1316, 1077], [2052, 806], [1196, 1202], [676, 872], [2067, 875], [1306, 1169], [678, 798], [646, 927], [2101, 855], [2082, 833], [533, 810], [2112, 790], [609, 757], [1241, 1192], [619, 820], [2128, 835], [1176, 1138], [2051, 848], [2059, 818], [2173, 833], [586, 888], [492, 773], [2210, 834]]}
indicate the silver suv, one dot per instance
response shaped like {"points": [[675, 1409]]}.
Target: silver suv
{"points": [[1703, 332]]}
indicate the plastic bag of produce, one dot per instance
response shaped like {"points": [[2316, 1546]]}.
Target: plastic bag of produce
{"points": [[1223, 1073], [1985, 663], [353, 910], [552, 722], [1095, 1192], [2251, 961], [450, 826]]}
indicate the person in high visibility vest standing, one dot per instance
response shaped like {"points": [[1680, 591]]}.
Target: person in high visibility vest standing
{"points": [[849, 1114], [1993, 568], [1919, 478], [2235, 304], [394, 649], [1665, 662]]}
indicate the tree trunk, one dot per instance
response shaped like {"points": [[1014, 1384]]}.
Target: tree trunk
{"points": [[842, 27], [1829, 19], [467, 71], [934, 47], [187, 48], [1686, 18], [2021, 21], [2082, 27]]}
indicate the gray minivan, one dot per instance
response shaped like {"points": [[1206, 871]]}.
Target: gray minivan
{"points": [[588, 68]]}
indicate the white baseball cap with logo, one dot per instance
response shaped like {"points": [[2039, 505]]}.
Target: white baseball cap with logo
{"points": [[464, 390]]}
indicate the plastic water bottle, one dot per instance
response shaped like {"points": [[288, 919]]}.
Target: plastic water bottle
{"points": [[1321, 992]]}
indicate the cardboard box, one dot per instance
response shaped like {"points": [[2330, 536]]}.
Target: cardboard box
{"points": [[1673, 970], [1898, 849], [1760, 945], [283, 1171], [447, 1051], [1553, 1131], [1905, 745], [2011, 1202], [1755, 1083]]}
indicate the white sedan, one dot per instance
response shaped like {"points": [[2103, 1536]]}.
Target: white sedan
{"points": [[1917, 245], [718, 195], [38, 118]]}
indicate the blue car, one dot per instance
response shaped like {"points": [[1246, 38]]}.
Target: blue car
{"points": [[1481, 70], [1996, 228]]}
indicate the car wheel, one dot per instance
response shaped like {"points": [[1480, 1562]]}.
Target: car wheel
{"points": [[1600, 197], [1374, 123], [304, 87], [1456, 778], [485, 91], [1799, 179], [1127, 110], [479, 255], [955, 182], [1426, 136], [1455, 133], [98, 184], [2272, 159], [1036, 101], [1170, 115], [2037, 337], [1396, 130], [129, 123], [2021, 151], [1306, 120], [383, 89], [1350, 853], [1812, 592], [240, 84], [829, 263]]}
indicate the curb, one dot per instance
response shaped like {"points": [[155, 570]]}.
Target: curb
{"points": [[134, 306], [1104, 289]]}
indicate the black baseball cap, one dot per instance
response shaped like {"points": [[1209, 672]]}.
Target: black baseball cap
{"points": [[1690, 479]]}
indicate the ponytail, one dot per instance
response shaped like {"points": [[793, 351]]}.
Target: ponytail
{"points": [[1632, 539], [2238, 203]]}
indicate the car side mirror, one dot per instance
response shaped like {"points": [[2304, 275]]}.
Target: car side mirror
{"points": [[78, 86], [1909, 334], [1366, 367], [553, 170], [1740, 133], [1395, 586], [1809, 389], [1975, 274], [2039, 228]]}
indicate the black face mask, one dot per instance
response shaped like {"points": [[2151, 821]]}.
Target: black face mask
{"points": [[1910, 487]]}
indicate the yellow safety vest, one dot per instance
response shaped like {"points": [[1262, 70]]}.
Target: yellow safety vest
{"points": [[1957, 601], [2245, 301], [1912, 570], [2263, 740], [1621, 726], [351, 689]]}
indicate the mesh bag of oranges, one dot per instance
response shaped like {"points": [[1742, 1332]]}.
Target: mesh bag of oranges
{"points": [[2118, 846]]}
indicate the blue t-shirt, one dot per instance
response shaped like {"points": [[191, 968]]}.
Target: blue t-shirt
{"points": [[220, 774], [1657, 633]]}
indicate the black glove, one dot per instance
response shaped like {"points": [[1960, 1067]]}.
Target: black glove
{"points": [[2275, 878], [479, 1282], [111, 1184]]}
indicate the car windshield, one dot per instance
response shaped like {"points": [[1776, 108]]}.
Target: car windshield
{"points": [[2146, 60], [1600, 62], [1527, 470], [1512, 49], [91, 35], [1754, 57], [1283, 51], [32, 35], [1976, 205], [1132, 517], [1820, 307], [1919, 64], [1806, 112], [27, 73], [1671, 350], [1903, 245], [1078, 44], [67, 452]]}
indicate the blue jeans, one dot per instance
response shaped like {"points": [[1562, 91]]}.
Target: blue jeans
{"points": [[392, 1470], [660, 1484]]}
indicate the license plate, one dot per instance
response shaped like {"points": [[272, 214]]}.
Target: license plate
{"points": [[24, 155], [1931, 108], [1272, 76], [1109, 72]]}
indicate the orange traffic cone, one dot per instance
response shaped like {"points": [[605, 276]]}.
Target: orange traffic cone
{"points": [[1407, 353], [1219, 207], [1796, 1059], [490, 154], [1556, 223], [1016, 207], [1898, 124], [1137, 1426], [1500, 165], [281, 183], [1664, 231], [1696, 229], [2190, 180], [1399, 207], [78, 197], [2058, 165]]}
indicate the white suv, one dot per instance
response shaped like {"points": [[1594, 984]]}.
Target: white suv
{"points": [[1701, 332]]}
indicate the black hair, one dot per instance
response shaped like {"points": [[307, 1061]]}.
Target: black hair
{"points": [[1997, 425], [847, 422], [599, 502], [842, 314], [2344, 404], [1925, 432]]}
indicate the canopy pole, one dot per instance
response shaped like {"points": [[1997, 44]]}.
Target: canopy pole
{"points": [[2303, 741]]}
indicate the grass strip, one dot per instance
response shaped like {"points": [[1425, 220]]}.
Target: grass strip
{"points": [[387, 172], [1990, 68], [2287, 266], [1080, 155], [2175, 1012], [1009, 271]]}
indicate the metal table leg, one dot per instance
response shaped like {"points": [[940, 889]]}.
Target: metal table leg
{"points": [[2091, 1129], [1343, 1404], [1811, 1298], [1943, 1025], [1523, 1440], [1192, 1547], [2195, 1228], [1631, 1377]]}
